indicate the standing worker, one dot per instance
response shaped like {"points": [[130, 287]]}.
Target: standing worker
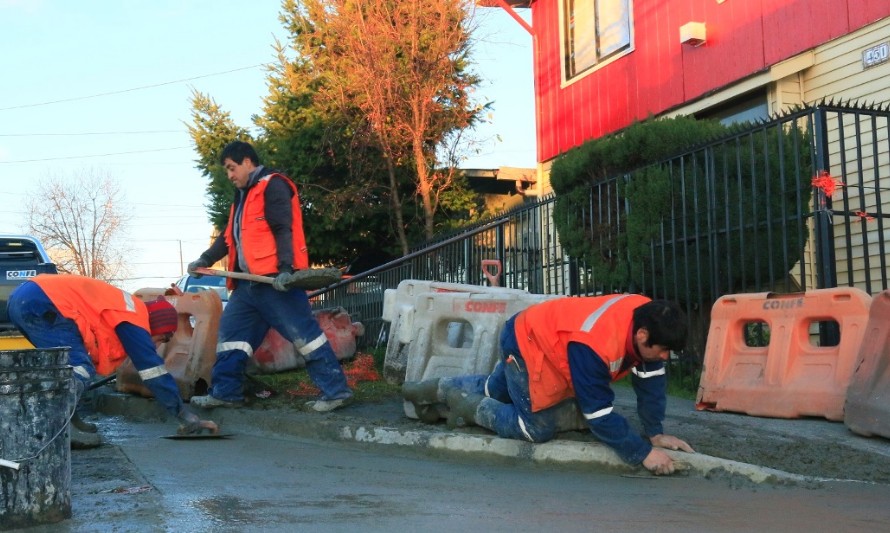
{"points": [[574, 348], [101, 325], [264, 236]]}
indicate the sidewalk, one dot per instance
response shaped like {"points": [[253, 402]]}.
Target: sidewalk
{"points": [[739, 447]]}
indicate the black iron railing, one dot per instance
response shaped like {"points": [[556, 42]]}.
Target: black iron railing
{"points": [[750, 212]]}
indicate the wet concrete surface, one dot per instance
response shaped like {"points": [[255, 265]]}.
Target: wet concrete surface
{"points": [[369, 466], [753, 447], [261, 480]]}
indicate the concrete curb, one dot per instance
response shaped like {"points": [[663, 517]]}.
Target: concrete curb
{"points": [[343, 427], [561, 452]]}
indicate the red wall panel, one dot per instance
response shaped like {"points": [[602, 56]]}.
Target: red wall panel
{"points": [[790, 27], [734, 46], [862, 12], [743, 37], [656, 78]]}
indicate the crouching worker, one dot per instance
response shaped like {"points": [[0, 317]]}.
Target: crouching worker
{"points": [[102, 325], [574, 348]]}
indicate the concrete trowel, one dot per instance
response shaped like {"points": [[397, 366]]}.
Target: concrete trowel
{"points": [[208, 430]]}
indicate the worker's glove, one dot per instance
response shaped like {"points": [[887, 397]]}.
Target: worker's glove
{"points": [[199, 263], [190, 424], [280, 283]]}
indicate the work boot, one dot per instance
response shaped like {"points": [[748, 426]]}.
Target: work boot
{"points": [[323, 405], [462, 407], [424, 392], [79, 423], [209, 402], [428, 414], [81, 440]]}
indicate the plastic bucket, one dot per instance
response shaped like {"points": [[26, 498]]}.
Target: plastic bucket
{"points": [[36, 401]]}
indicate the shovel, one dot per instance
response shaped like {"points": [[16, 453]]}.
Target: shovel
{"points": [[308, 279]]}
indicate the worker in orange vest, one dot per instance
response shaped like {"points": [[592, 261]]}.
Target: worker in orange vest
{"points": [[101, 325], [264, 236], [571, 349]]}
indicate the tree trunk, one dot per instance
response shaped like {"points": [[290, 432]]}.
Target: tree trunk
{"points": [[425, 188], [396, 202]]}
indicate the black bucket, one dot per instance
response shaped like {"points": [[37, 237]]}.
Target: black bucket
{"points": [[36, 402]]}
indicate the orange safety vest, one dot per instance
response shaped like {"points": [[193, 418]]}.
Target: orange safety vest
{"points": [[257, 240], [544, 331], [97, 308]]}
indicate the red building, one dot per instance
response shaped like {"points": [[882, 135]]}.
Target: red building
{"points": [[602, 64]]}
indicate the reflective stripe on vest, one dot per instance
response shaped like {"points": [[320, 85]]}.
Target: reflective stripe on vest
{"points": [[128, 302], [590, 321]]}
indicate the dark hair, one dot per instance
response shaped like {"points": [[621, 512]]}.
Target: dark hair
{"points": [[237, 151], [665, 322]]}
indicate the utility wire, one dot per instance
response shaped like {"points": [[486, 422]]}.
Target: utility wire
{"points": [[94, 155], [87, 133], [76, 98]]}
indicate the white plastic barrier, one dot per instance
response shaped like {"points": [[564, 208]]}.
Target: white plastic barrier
{"points": [[395, 300], [446, 329], [459, 333]]}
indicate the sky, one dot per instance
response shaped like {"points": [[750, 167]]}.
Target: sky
{"points": [[103, 87]]}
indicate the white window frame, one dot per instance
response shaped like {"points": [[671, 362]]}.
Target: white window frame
{"points": [[593, 33]]}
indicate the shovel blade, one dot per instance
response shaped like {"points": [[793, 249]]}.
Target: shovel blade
{"points": [[313, 278]]}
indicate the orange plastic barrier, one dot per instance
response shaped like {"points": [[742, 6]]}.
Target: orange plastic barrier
{"points": [[867, 410], [791, 376], [190, 354], [276, 354]]}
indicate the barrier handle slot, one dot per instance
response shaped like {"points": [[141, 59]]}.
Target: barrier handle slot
{"points": [[492, 275]]}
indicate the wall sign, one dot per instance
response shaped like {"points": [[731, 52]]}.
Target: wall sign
{"points": [[876, 55]]}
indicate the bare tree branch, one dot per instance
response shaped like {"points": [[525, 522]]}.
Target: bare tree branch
{"points": [[81, 221]]}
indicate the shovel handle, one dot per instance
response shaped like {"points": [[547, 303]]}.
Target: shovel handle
{"points": [[233, 275], [306, 279]]}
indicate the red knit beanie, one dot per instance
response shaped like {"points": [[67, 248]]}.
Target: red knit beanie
{"points": [[162, 317]]}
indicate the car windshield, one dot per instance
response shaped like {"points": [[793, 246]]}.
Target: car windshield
{"points": [[216, 283]]}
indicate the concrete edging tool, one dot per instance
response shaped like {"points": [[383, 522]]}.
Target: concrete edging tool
{"points": [[198, 436]]}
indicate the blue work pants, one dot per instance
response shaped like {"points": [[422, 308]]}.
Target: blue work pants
{"points": [[508, 409], [253, 308]]}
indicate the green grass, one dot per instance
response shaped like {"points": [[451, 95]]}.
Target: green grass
{"points": [[290, 388]]}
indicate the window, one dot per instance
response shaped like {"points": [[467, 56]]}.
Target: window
{"points": [[748, 107], [594, 31]]}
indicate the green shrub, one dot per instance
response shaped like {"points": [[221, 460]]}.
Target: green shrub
{"points": [[726, 210]]}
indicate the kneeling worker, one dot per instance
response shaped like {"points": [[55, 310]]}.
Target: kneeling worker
{"points": [[102, 325], [574, 348]]}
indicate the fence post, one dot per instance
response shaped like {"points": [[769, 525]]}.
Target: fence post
{"points": [[826, 266], [501, 252]]}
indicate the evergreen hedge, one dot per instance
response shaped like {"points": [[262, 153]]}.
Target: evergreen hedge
{"points": [[686, 208]]}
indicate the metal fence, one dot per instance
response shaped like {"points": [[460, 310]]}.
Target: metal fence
{"points": [[787, 205]]}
